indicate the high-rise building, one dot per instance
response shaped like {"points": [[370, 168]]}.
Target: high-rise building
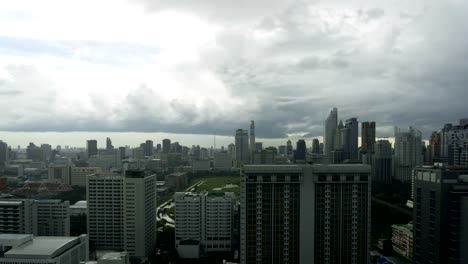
{"points": [[166, 145], [408, 153], [289, 148], [206, 218], [457, 144], [252, 136], [258, 146], [109, 144], [3, 153], [53, 218], [282, 150], [315, 146], [333, 201], [330, 131], [78, 175], [122, 152], [222, 161], [46, 151], [149, 148], [349, 136], [367, 136], [444, 142], [242, 147], [34, 153], [338, 141], [433, 149], [91, 148], [59, 173], [158, 148], [301, 151], [440, 215], [122, 212], [18, 217], [382, 162]]}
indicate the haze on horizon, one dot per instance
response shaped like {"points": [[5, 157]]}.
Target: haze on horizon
{"points": [[185, 69]]}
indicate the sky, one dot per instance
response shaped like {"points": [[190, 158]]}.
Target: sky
{"points": [[190, 69]]}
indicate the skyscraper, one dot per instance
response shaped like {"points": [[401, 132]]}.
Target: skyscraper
{"points": [[34, 152], [367, 136], [3, 153], [289, 148], [149, 148], [457, 144], [123, 217], [252, 136], [408, 153], [382, 163], [434, 148], [305, 214], [242, 147], [350, 139], [440, 215], [315, 146], [109, 144], [166, 145], [330, 130], [301, 151], [91, 148]]}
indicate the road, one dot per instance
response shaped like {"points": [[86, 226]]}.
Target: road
{"points": [[396, 207]]}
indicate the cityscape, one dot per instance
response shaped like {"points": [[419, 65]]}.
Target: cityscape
{"points": [[352, 198], [233, 132]]}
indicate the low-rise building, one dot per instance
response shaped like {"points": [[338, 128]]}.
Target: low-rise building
{"points": [[402, 240]]}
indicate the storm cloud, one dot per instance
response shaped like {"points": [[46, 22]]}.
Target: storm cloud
{"points": [[284, 64]]}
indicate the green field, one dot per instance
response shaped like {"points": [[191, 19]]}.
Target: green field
{"points": [[218, 182]]}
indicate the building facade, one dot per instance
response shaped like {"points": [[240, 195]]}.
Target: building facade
{"points": [[242, 147], [408, 153], [367, 136], [330, 130], [53, 218]]}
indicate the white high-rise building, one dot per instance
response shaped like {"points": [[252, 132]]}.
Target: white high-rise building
{"points": [[330, 131], [79, 174], [122, 212], [206, 218], [18, 217], [408, 153], [53, 218]]}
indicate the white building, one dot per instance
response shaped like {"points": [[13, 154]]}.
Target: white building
{"points": [[114, 258], [18, 217], [79, 208], [106, 160], [53, 218], [26, 249], [79, 174], [122, 212], [203, 220], [408, 153]]}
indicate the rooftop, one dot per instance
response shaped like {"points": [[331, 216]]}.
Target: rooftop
{"points": [[114, 256], [42, 247]]}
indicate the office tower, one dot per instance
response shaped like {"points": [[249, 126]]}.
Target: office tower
{"points": [[434, 148], [330, 131], [78, 175], [305, 214], [18, 217], [458, 144], [206, 218], [176, 147], [289, 148], [252, 136], [29, 249], [149, 148], [106, 160], [3, 153], [315, 146], [59, 173], [166, 145], [282, 150], [122, 152], [382, 162], [444, 142], [349, 138], [158, 148], [338, 140], [122, 212], [91, 148], [367, 136], [109, 143], [53, 218], [46, 151], [242, 147], [258, 146], [139, 213], [440, 215], [222, 161], [321, 146], [301, 150], [34, 152], [408, 153]]}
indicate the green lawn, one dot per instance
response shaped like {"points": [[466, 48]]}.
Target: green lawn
{"points": [[220, 181]]}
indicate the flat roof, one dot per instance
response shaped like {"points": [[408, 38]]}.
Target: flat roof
{"points": [[13, 236], [43, 247], [114, 256]]}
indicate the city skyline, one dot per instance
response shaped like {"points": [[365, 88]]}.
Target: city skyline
{"points": [[283, 64]]}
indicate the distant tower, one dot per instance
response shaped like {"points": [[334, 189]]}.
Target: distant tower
{"points": [[242, 147], [301, 150], [109, 144], [408, 153], [166, 145], [91, 147], [349, 135], [289, 148], [330, 130], [315, 146], [252, 136], [367, 136]]}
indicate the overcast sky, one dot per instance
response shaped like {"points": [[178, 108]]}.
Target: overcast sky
{"points": [[209, 66]]}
